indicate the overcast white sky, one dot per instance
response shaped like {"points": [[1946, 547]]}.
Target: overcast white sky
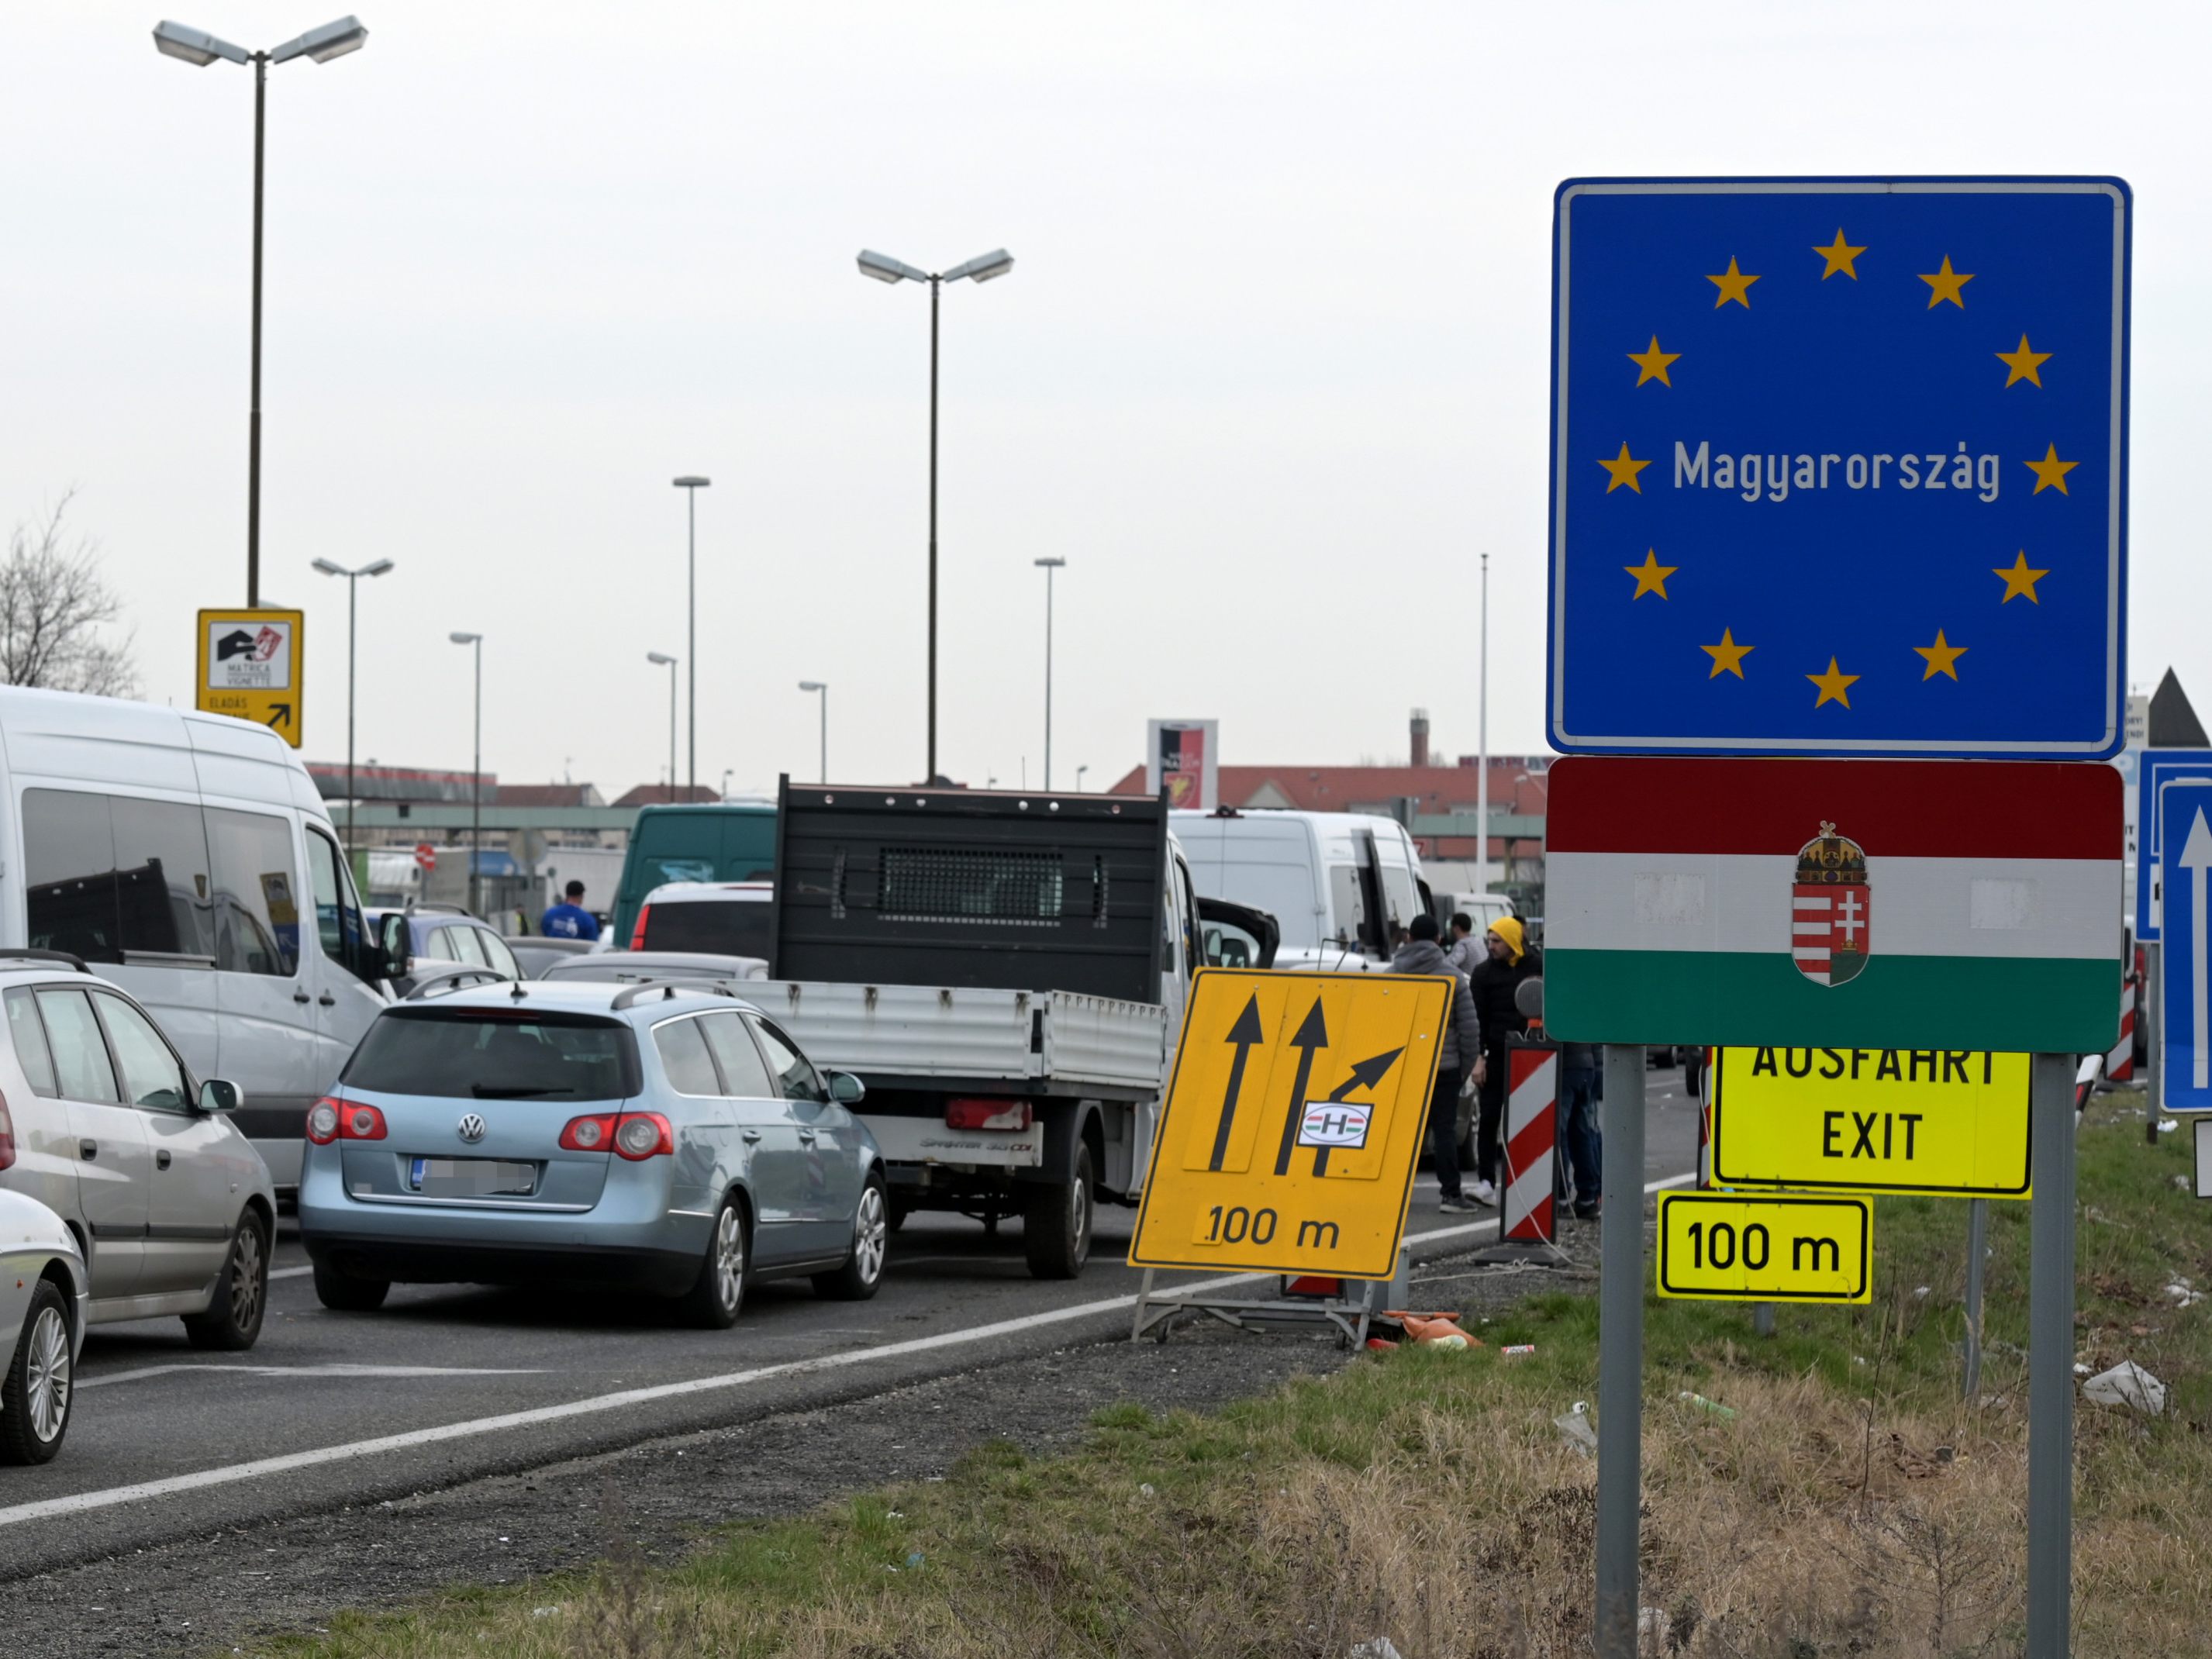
{"points": [[1270, 372]]}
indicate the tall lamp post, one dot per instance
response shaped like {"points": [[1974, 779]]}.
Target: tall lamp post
{"points": [[982, 268], [1049, 566], [353, 594], [1080, 771], [475, 780], [661, 658], [822, 686], [690, 484], [199, 48]]}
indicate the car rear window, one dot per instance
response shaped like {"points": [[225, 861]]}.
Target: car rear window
{"points": [[720, 926], [496, 1054]]}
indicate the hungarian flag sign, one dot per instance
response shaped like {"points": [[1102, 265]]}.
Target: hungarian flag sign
{"points": [[1732, 902]]}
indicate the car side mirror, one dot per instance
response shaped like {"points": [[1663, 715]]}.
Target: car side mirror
{"points": [[846, 1088], [393, 941], [219, 1095]]}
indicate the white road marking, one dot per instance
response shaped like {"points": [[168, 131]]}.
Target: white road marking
{"points": [[290, 1272], [226, 1474], [303, 1371]]}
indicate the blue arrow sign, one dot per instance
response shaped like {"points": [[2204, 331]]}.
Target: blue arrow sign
{"points": [[1839, 467], [2185, 1026], [2156, 768]]}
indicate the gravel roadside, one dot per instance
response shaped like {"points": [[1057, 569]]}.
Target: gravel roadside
{"points": [[216, 1593]]}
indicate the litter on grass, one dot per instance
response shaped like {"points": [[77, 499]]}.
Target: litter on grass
{"points": [[2127, 1384]]}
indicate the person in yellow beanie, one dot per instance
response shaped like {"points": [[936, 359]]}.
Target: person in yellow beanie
{"points": [[1493, 983]]}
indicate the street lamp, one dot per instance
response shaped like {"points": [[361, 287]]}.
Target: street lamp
{"points": [[352, 593], [199, 49], [1049, 566], [982, 269], [664, 660], [475, 780], [690, 484], [1080, 771], [822, 686]]}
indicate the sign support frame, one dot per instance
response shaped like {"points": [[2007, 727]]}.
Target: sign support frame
{"points": [[1621, 1355], [2050, 1362], [1159, 1313]]}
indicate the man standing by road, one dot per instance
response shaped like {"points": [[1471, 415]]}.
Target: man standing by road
{"points": [[570, 919], [1465, 952], [1494, 983], [1462, 1042]]}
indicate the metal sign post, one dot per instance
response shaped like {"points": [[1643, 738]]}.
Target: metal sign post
{"points": [[1621, 1355], [2050, 1363]]}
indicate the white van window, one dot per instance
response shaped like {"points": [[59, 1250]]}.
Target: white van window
{"points": [[257, 893], [108, 874], [81, 1063], [338, 912], [1398, 893], [152, 1077], [31, 1050], [1348, 914]]}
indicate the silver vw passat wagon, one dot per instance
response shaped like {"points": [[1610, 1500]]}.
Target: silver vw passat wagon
{"points": [[663, 1138]]}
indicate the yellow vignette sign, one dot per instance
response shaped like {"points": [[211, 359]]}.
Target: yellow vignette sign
{"points": [[1951, 1123], [1716, 1246], [252, 667], [1293, 1124]]}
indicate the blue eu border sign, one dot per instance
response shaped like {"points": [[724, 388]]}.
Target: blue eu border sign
{"points": [[1839, 467]]}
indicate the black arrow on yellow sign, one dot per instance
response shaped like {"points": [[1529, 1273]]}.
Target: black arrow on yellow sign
{"points": [[279, 714], [1245, 1033], [1364, 1075], [1312, 1034]]}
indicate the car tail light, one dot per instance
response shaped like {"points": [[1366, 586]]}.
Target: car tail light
{"points": [[7, 1135], [589, 1134], [987, 1114], [323, 1121], [641, 1135], [637, 934], [359, 1122]]}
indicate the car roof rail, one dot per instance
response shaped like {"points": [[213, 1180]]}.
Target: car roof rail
{"points": [[438, 981], [32, 953], [630, 996]]}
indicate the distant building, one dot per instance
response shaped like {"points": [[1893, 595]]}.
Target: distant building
{"points": [[661, 794]]}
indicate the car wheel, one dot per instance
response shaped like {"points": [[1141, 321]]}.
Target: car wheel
{"points": [[863, 1272], [341, 1292], [35, 1397], [232, 1319], [714, 1301], [1056, 1223]]}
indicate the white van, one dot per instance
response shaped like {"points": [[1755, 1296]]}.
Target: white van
{"points": [[1338, 884], [180, 852]]}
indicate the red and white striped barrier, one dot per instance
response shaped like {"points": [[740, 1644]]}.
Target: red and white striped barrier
{"points": [[1532, 1119], [2120, 1064]]}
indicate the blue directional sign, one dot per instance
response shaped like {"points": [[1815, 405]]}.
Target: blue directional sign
{"points": [[2155, 768], [2185, 1026], [1839, 466]]}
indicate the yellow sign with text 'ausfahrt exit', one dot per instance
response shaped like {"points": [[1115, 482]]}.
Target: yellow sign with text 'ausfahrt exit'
{"points": [[1293, 1124], [1716, 1246], [1947, 1122]]}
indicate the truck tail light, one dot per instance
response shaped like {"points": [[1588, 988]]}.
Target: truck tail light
{"points": [[987, 1114], [588, 1134], [641, 1135], [637, 934], [333, 1119], [7, 1135]]}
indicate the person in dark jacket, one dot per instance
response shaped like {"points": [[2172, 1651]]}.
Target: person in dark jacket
{"points": [[1463, 1045], [1581, 1086], [1494, 984]]}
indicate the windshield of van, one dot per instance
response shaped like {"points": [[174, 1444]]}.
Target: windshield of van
{"points": [[1282, 889], [496, 1054]]}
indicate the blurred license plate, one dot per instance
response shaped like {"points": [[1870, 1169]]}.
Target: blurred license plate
{"points": [[472, 1177]]}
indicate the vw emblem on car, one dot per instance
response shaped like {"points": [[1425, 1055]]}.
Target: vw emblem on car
{"points": [[471, 1128]]}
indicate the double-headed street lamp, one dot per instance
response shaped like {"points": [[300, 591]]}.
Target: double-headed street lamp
{"points": [[353, 594], [822, 686], [476, 779], [1049, 566], [690, 484], [982, 268], [199, 48], [661, 658]]}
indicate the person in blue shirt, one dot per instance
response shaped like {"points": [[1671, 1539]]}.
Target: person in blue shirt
{"points": [[570, 919]]}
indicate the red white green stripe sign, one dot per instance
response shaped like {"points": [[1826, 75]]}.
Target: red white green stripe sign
{"points": [[1961, 904]]}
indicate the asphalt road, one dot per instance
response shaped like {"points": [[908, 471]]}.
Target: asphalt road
{"points": [[448, 1385]]}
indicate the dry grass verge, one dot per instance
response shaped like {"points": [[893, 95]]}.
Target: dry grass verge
{"points": [[1851, 1505]]}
